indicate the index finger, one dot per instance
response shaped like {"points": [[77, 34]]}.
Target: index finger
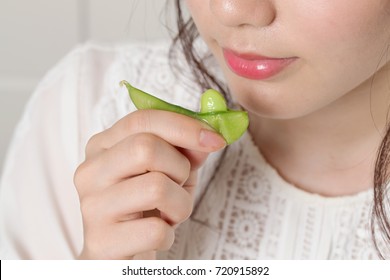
{"points": [[178, 130]]}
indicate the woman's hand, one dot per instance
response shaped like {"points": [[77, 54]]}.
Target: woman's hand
{"points": [[137, 181]]}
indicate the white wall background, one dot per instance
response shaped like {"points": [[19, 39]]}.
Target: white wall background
{"points": [[35, 34]]}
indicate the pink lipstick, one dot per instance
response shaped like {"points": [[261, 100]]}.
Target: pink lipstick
{"points": [[255, 67]]}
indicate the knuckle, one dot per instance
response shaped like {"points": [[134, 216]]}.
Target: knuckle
{"points": [[77, 177], [95, 241], [161, 235], [179, 131], [84, 177], [157, 186], [144, 146], [184, 211], [187, 210], [139, 121], [88, 208], [187, 168], [81, 177], [93, 143]]}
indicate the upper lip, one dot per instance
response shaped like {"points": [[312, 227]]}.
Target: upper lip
{"points": [[252, 55]]}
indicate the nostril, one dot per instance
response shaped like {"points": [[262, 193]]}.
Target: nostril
{"points": [[257, 13]]}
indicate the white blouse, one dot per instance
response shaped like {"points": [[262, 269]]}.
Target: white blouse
{"points": [[244, 211]]}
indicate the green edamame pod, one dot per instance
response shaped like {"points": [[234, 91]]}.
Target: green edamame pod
{"points": [[229, 123]]}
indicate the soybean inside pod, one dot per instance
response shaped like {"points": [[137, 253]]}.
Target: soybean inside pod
{"points": [[231, 124]]}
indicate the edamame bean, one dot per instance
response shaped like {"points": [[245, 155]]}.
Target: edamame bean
{"points": [[231, 124]]}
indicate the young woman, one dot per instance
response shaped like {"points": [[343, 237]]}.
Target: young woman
{"points": [[308, 180]]}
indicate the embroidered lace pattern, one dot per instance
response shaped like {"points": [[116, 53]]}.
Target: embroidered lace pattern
{"points": [[249, 212]]}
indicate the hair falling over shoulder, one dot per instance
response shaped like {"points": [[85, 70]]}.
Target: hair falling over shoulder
{"points": [[184, 41], [380, 220]]}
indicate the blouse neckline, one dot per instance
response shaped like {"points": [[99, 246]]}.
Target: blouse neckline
{"points": [[293, 192]]}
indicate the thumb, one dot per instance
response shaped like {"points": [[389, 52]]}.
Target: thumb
{"points": [[208, 138]]}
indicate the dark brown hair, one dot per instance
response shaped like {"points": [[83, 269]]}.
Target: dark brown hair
{"points": [[184, 41], [380, 223]]}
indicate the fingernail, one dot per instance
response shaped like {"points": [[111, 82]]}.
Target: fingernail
{"points": [[211, 139]]}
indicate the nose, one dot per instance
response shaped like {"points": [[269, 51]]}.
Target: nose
{"points": [[233, 13]]}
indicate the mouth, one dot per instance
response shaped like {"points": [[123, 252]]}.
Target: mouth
{"points": [[254, 66]]}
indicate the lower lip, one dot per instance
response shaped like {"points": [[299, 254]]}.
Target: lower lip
{"points": [[255, 67]]}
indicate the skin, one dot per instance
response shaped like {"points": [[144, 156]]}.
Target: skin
{"points": [[318, 122], [150, 173]]}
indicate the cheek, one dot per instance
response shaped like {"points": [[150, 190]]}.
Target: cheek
{"points": [[207, 25], [344, 27], [198, 12], [340, 49], [287, 99]]}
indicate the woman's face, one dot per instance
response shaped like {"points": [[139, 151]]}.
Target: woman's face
{"points": [[285, 59]]}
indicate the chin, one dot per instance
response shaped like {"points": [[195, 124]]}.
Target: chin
{"points": [[282, 97], [269, 104], [275, 112]]}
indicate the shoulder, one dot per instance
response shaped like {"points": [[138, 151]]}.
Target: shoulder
{"points": [[91, 74], [91, 62], [148, 66], [95, 59], [85, 82], [82, 90]]}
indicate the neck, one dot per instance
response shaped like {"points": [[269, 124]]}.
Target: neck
{"points": [[332, 151]]}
